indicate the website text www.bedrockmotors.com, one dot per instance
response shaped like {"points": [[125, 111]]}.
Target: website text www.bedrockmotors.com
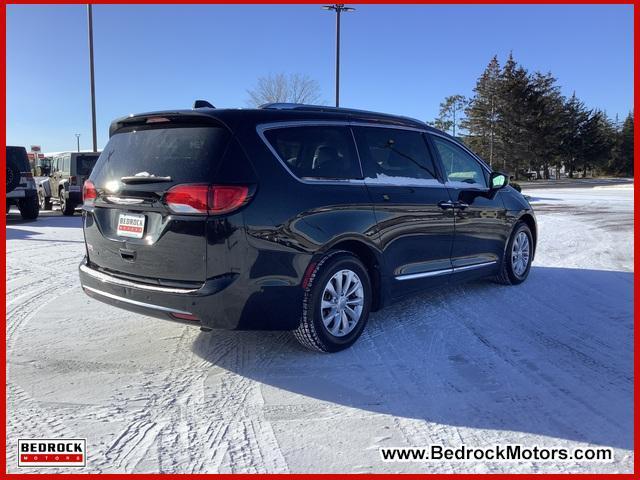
{"points": [[495, 453]]}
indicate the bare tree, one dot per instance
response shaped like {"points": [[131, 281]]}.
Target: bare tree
{"points": [[292, 88]]}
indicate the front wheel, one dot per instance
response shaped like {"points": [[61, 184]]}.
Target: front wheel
{"points": [[518, 256], [336, 304]]}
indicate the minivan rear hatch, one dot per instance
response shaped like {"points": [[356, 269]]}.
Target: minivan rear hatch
{"points": [[130, 230]]}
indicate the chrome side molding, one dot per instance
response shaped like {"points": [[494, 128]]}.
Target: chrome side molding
{"points": [[446, 271]]}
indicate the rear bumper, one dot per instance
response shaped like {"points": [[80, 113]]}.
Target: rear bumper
{"points": [[74, 197], [214, 304], [21, 193]]}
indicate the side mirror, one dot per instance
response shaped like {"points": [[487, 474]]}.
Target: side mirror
{"points": [[498, 180]]}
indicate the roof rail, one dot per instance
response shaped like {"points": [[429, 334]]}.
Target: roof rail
{"points": [[325, 108]]}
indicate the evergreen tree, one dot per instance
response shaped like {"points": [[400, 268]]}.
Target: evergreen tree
{"points": [[515, 117], [482, 113], [572, 122], [597, 141], [545, 109], [622, 160]]}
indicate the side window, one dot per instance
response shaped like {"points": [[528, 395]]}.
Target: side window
{"points": [[395, 155], [67, 161], [322, 152], [458, 165]]}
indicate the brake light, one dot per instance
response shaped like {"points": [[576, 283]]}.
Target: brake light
{"points": [[188, 198], [27, 175], [73, 180], [227, 198], [204, 199], [89, 192]]}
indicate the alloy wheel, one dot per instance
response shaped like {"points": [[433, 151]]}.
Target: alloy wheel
{"points": [[520, 253], [342, 303]]}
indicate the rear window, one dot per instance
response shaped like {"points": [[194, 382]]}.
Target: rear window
{"points": [[186, 154], [316, 152], [85, 163], [18, 156]]}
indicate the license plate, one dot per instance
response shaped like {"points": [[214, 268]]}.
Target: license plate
{"points": [[130, 225]]}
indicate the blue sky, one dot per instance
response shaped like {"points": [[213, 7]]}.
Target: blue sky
{"points": [[397, 59]]}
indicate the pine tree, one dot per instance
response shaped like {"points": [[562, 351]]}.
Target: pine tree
{"points": [[545, 108], [573, 119], [515, 117], [622, 159], [482, 113], [597, 141]]}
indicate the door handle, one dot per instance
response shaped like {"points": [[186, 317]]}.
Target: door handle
{"points": [[446, 205]]}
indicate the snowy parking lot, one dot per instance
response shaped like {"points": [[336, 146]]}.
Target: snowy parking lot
{"points": [[548, 363]]}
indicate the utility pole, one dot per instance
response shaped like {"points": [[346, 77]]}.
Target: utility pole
{"points": [[78, 141], [338, 8], [93, 83]]}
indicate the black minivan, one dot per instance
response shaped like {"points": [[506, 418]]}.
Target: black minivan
{"points": [[292, 217]]}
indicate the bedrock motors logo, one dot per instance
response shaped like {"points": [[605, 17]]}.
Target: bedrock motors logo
{"points": [[49, 452]]}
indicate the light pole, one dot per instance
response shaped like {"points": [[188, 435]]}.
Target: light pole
{"points": [[93, 84], [78, 141], [338, 8]]}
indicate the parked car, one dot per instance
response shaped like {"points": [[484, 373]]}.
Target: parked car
{"points": [[292, 217], [21, 188], [64, 179]]}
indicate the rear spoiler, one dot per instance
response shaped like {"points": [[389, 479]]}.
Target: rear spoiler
{"points": [[177, 117]]}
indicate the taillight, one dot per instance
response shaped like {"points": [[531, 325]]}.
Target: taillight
{"points": [[89, 192], [73, 180], [188, 198], [27, 175], [227, 198], [201, 198]]}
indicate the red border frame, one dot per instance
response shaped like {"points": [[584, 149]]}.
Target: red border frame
{"points": [[636, 201]]}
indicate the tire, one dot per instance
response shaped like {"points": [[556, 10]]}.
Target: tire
{"points": [[66, 206], [333, 336], [512, 273], [45, 202], [13, 175], [29, 208]]}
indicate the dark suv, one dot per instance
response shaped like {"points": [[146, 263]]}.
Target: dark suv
{"points": [[21, 187], [292, 217]]}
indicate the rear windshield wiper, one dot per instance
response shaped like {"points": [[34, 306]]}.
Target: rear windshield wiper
{"points": [[144, 179]]}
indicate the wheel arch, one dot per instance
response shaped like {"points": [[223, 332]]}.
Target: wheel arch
{"points": [[372, 262], [528, 219]]}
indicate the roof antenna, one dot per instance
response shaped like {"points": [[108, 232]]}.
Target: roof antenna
{"points": [[202, 104]]}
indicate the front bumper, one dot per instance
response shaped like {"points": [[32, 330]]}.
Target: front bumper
{"points": [[214, 303]]}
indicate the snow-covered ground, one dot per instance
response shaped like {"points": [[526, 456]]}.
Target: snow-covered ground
{"points": [[548, 363]]}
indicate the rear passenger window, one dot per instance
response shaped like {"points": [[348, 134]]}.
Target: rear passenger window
{"points": [[322, 152], [395, 155]]}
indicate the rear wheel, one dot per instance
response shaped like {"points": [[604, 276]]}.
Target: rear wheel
{"points": [[29, 208], [336, 303], [66, 206], [518, 256]]}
